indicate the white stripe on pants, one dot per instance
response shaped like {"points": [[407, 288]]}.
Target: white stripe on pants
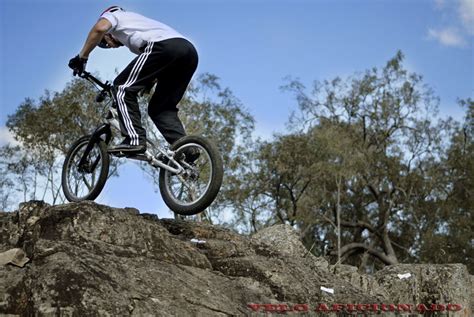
{"points": [[132, 77]]}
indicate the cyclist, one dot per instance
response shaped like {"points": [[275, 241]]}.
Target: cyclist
{"points": [[164, 55]]}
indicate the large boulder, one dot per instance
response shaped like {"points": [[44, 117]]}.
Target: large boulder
{"points": [[444, 288], [363, 281], [284, 240], [84, 259]]}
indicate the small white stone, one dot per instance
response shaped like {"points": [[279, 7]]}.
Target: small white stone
{"points": [[198, 241], [404, 276], [327, 290]]}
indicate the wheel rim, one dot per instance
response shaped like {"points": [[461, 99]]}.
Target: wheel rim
{"points": [[190, 187], [81, 183]]}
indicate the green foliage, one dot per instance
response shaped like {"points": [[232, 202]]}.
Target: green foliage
{"points": [[365, 154], [214, 112], [51, 123], [44, 130], [452, 239]]}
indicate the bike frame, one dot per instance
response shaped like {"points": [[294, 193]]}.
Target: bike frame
{"points": [[104, 133]]}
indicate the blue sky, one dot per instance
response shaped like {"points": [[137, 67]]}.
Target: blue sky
{"points": [[251, 46]]}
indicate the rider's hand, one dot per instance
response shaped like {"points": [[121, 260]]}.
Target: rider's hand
{"points": [[78, 64]]}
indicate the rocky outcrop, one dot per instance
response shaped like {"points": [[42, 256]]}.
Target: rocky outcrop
{"points": [[85, 259], [429, 285]]}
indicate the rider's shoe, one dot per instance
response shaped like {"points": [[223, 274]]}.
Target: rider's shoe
{"points": [[189, 155], [126, 148]]}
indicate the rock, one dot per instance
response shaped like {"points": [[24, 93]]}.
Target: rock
{"points": [[219, 242], [284, 240], [428, 284], [294, 280], [366, 282], [472, 292], [14, 256], [9, 230], [89, 259]]}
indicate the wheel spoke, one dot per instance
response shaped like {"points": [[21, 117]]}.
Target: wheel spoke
{"points": [[181, 191], [89, 186], [189, 187], [81, 182]]}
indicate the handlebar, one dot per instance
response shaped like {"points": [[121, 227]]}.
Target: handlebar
{"points": [[106, 87], [90, 77]]}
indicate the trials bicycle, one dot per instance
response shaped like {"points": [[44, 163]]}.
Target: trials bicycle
{"points": [[187, 188]]}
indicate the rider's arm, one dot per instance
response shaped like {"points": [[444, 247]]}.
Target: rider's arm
{"points": [[95, 36]]}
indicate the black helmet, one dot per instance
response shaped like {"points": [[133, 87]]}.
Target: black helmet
{"points": [[112, 9], [103, 43]]}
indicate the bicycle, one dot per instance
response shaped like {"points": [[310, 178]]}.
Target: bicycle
{"points": [[187, 188]]}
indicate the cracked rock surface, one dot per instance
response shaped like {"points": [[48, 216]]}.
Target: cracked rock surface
{"points": [[87, 259]]}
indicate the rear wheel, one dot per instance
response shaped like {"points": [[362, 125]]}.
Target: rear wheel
{"points": [[194, 190], [87, 181]]}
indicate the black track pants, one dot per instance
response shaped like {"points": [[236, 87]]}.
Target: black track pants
{"points": [[172, 62]]}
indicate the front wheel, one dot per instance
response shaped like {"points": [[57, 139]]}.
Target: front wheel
{"points": [[194, 190], [85, 181]]}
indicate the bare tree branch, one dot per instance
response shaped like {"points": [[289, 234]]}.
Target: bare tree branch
{"points": [[361, 247]]}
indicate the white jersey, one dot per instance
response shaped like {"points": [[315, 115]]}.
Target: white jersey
{"points": [[134, 30]]}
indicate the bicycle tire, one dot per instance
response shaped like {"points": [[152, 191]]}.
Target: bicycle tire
{"points": [[71, 161], [211, 191]]}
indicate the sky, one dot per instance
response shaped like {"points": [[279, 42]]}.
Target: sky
{"points": [[252, 45]]}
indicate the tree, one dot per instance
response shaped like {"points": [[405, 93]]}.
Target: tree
{"points": [[7, 185], [389, 119], [44, 130], [361, 157], [451, 239]]}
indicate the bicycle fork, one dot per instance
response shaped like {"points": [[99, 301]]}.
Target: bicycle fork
{"points": [[102, 130]]}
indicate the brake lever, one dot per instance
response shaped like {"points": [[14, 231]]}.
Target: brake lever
{"points": [[101, 96]]}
